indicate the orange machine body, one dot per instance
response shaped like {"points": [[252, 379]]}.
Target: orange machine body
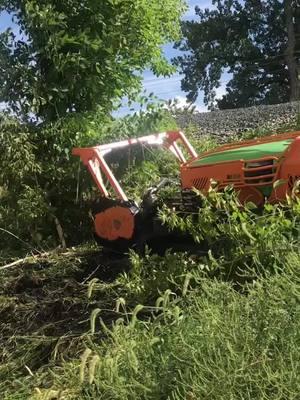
{"points": [[251, 167]]}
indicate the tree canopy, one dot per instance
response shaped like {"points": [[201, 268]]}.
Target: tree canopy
{"points": [[257, 41], [77, 55]]}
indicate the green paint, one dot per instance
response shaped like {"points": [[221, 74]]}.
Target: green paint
{"points": [[244, 153]]}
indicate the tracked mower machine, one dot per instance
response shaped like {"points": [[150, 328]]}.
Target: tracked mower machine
{"points": [[250, 167]]}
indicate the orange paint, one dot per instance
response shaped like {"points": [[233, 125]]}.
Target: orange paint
{"points": [[115, 223], [249, 177]]}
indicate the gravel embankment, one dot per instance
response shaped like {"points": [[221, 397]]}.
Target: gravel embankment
{"points": [[224, 123]]}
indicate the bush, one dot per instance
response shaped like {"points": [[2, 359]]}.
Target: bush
{"points": [[38, 178], [45, 192], [243, 241]]}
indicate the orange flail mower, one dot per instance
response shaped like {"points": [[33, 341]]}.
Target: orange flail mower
{"points": [[250, 167]]}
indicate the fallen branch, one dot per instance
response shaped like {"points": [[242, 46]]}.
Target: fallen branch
{"points": [[13, 264], [17, 237], [31, 258], [34, 258]]}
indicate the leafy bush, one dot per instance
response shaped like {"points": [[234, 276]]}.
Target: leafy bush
{"points": [[45, 192], [243, 241], [152, 275], [38, 181]]}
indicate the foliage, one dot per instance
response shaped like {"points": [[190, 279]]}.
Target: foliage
{"points": [[152, 275], [248, 40], [74, 56], [38, 180], [215, 342], [41, 183], [176, 327], [151, 117], [209, 339], [242, 241]]}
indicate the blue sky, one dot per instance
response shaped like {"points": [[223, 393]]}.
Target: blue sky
{"points": [[163, 88]]}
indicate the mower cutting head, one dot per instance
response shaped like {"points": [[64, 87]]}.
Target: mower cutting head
{"points": [[117, 219]]}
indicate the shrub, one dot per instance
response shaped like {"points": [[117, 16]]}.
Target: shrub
{"points": [[39, 181], [243, 241], [45, 192]]}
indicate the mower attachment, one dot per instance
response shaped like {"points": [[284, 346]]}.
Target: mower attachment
{"points": [[116, 219]]}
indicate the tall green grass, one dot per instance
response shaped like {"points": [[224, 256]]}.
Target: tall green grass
{"points": [[210, 342], [220, 326]]}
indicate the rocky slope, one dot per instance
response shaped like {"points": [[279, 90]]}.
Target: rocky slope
{"points": [[226, 123]]}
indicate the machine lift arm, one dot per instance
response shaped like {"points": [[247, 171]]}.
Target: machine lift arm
{"points": [[94, 157]]}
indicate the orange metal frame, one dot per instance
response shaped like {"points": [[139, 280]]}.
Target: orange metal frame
{"points": [[94, 157], [238, 173]]}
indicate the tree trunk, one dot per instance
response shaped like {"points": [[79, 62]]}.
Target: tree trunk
{"points": [[290, 54]]}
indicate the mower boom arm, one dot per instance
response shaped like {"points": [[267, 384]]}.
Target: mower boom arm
{"points": [[93, 157]]}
